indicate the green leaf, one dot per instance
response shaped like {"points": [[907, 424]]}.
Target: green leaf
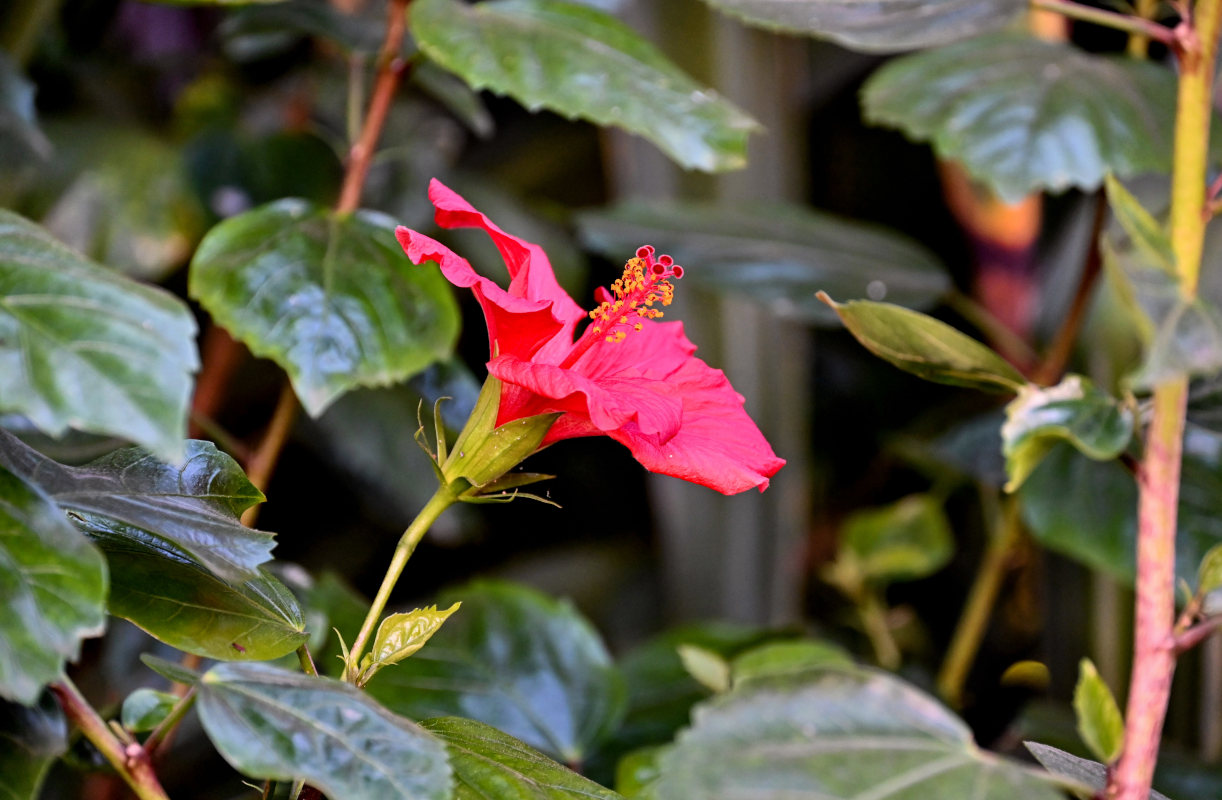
{"points": [[144, 709], [19, 134], [1188, 341], [193, 507], [52, 590], [400, 636], [177, 600], [884, 26], [1099, 721], [835, 735], [517, 660], [82, 347], [1209, 574], [1140, 262], [491, 764], [1073, 411], [583, 64], [264, 28], [31, 739], [332, 605], [904, 541], [269, 723], [707, 667], [636, 772], [1043, 116], [329, 297], [780, 658], [170, 670], [778, 255], [926, 347], [1089, 774]]}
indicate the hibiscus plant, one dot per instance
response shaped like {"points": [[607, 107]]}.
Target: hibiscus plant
{"points": [[218, 263]]}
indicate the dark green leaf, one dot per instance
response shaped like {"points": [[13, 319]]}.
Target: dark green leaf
{"points": [[1099, 721], [904, 541], [194, 506], [885, 26], [52, 590], [517, 660], [969, 448], [169, 670], [926, 347], [491, 764], [779, 255], [332, 605], [1073, 411], [464, 103], [331, 298], [584, 64], [31, 738], [176, 599], [144, 709], [835, 734], [779, 658], [269, 723], [264, 29], [83, 347], [1188, 341], [1090, 774], [1043, 115], [19, 133]]}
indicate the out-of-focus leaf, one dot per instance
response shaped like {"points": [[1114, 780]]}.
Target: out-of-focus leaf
{"points": [[970, 448], [19, 133], [213, 2], [906, 540], [636, 772], [144, 709], [170, 670], [835, 734], [779, 658], [926, 347], [1096, 523], [52, 590], [779, 255], [176, 599], [400, 636], [261, 30], [707, 667], [330, 297], [194, 506], [886, 26], [1090, 774], [31, 738], [491, 764], [1042, 116], [1073, 411], [517, 660], [583, 63], [457, 96], [1188, 341], [269, 723], [334, 609], [83, 347], [1099, 721], [1209, 574]]}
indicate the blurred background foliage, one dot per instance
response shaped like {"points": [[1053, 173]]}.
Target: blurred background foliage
{"points": [[130, 129]]}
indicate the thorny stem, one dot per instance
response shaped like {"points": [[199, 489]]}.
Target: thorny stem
{"points": [[442, 499], [1111, 19], [1158, 481], [391, 67], [131, 761]]}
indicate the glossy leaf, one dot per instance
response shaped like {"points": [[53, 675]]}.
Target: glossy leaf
{"points": [[144, 709], [177, 600], [20, 136], [778, 255], [194, 507], [399, 636], [31, 739], [1099, 721], [836, 734], [780, 658], [906, 540], [886, 26], [52, 590], [269, 723], [1089, 774], [491, 764], [83, 347], [329, 297], [1043, 116], [926, 347], [707, 667], [515, 659], [1073, 411], [584, 64]]}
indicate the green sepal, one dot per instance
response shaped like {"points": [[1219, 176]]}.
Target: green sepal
{"points": [[484, 451]]}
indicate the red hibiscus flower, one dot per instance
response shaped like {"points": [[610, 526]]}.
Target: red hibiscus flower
{"points": [[624, 375]]}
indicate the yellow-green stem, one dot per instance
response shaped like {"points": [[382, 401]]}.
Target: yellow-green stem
{"points": [[1139, 45], [974, 621], [442, 499], [874, 620]]}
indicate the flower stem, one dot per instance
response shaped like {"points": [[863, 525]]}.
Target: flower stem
{"points": [[442, 499], [1154, 648], [1110, 19], [131, 761]]}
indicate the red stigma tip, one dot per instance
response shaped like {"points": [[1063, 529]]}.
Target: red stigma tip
{"points": [[657, 269], [676, 271], [665, 260], [644, 251]]}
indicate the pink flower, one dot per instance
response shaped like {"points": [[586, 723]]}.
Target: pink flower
{"points": [[624, 375]]}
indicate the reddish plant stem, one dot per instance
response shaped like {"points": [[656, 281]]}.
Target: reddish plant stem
{"points": [[391, 67], [1110, 19], [1198, 633], [263, 462]]}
